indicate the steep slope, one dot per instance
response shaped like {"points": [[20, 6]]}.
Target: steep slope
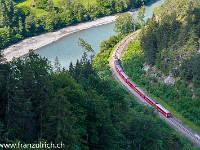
{"points": [[170, 46]]}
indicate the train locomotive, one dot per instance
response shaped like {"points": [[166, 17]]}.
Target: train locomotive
{"points": [[137, 89]]}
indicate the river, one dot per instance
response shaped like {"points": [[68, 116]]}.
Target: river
{"points": [[67, 49]]}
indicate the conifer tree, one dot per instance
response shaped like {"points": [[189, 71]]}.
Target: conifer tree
{"points": [[71, 70], [28, 91], [86, 46], [141, 13], [57, 66], [60, 127]]}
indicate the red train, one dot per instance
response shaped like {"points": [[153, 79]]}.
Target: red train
{"points": [[150, 100]]}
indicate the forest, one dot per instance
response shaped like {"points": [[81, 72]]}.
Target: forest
{"points": [[169, 43], [19, 22], [174, 39], [84, 107]]}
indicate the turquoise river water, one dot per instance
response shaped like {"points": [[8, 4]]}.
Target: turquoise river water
{"points": [[67, 49]]}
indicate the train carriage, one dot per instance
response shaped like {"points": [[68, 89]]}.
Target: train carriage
{"points": [[151, 100], [143, 95], [116, 61], [163, 110], [140, 91], [119, 68], [124, 76], [131, 84]]}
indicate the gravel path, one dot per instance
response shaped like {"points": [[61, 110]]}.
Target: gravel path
{"points": [[173, 122]]}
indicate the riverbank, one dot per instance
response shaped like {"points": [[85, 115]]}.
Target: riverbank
{"points": [[23, 47], [33, 43]]}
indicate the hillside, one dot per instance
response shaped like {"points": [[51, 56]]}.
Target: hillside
{"points": [[83, 107], [19, 21], [168, 48], [174, 40]]}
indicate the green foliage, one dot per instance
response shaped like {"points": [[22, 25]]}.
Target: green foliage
{"points": [[63, 115], [85, 107], [148, 41], [124, 24], [87, 47], [3, 133], [50, 6], [171, 42], [142, 123], [4, 36], [26, 97], [179, 96], [190, 71], [171, 35], [20, 21], [42, 4], [141, 13], [134, 56], [25, 9], [31, 24], [101, 60]]}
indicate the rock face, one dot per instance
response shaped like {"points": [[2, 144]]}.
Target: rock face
{"points": [[151, 72], [146, 68], [169, 80]]}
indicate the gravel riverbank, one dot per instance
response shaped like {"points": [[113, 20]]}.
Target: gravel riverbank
{"points": [[22, 48]]}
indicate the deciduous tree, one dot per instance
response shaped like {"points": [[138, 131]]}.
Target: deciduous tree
{"points": [[124, 24]]}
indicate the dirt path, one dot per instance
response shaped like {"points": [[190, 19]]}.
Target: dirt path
{"points": [[173, 122]]}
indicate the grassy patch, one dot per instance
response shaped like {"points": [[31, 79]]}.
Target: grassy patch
{"points": [[39, 12], [56, 4], [86, 2]]}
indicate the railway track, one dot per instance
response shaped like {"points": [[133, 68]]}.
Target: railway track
{"points": [[173, 122], [195, 136]]}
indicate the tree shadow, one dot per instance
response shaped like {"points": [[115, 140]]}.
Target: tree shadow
{"points": [[20, 1]]}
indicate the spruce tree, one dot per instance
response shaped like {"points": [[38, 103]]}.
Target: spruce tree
{"points": [[57, 66]]}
